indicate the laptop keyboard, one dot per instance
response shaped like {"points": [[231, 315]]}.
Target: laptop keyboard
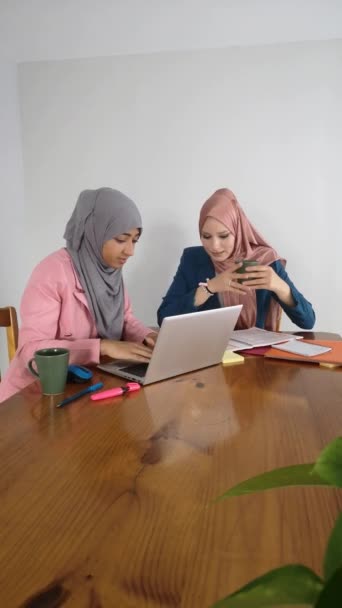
{"points": [[138, 369]]}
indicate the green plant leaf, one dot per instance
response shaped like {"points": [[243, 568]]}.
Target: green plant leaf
{"points": [[333, 553], [293, 584], [331, 595], [329, 463], [297, 475]]}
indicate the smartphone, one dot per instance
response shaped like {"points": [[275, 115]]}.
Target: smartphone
{"points": [[245, 264]]}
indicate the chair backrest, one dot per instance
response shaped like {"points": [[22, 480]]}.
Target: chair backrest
{"points": [[8, 319], [279, 320]]}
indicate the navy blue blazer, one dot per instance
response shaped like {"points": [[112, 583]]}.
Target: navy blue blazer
{"points": [[195, 266]]}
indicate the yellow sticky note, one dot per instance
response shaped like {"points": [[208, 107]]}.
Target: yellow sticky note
{"points": [[231, 358]]}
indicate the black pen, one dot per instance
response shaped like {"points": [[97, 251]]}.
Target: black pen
{"points": [[89, 389]]}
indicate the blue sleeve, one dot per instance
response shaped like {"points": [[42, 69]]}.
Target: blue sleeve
{"points": [[302, 314], [180, 296]]}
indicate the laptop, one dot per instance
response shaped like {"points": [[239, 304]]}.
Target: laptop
{"points": [[185, 343]]}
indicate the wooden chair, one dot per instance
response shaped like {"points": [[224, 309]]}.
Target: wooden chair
{"points": [[279, 321], [8, 319]]}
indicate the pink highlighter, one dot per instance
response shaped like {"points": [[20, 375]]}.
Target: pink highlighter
{"points": [[116, 392]]}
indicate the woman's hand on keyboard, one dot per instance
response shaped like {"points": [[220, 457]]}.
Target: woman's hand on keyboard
{"points": [[128, 351]]}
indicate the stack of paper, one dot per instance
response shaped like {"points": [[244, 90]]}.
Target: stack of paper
{"points": [[243, 339]]}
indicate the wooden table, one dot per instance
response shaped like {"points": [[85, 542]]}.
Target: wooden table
{"points": [[110, 505]]}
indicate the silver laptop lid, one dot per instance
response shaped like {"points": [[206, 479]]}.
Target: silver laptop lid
{"points": [[185, 343], [191, 341]]}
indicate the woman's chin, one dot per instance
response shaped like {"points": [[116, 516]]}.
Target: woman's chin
{"points": [[219, 257]]}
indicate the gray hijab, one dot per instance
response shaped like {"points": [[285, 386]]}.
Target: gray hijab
{"points": [[100, 215]]}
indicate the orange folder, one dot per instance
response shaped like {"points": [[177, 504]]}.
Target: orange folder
{"points": [[333, 357]]}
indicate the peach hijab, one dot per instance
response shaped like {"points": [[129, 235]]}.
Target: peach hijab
{"points": [[249, 244]]}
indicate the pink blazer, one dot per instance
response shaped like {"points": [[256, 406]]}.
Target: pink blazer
{"points": [[55, 313]]}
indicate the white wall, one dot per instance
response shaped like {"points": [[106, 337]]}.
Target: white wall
{"points": [[169, 128], [33, 30], [13, 247]]}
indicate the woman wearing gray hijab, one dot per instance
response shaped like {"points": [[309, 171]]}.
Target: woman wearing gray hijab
{"points": [[75, 297]]}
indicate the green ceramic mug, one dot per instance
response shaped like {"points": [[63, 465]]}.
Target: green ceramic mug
{"points": [[245, 264], [52, 369]]}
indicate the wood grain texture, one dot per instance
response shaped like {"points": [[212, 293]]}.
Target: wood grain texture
{"points": [[110, 505], [8, 319]]}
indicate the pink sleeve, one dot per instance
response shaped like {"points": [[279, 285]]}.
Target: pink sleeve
{"points": [[134, 330], [40, 313]]}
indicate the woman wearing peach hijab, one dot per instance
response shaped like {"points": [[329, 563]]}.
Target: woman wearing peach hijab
{"points": [[206, 277]]}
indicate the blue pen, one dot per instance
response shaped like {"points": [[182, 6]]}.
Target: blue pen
{"points": [[89, 389]]}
